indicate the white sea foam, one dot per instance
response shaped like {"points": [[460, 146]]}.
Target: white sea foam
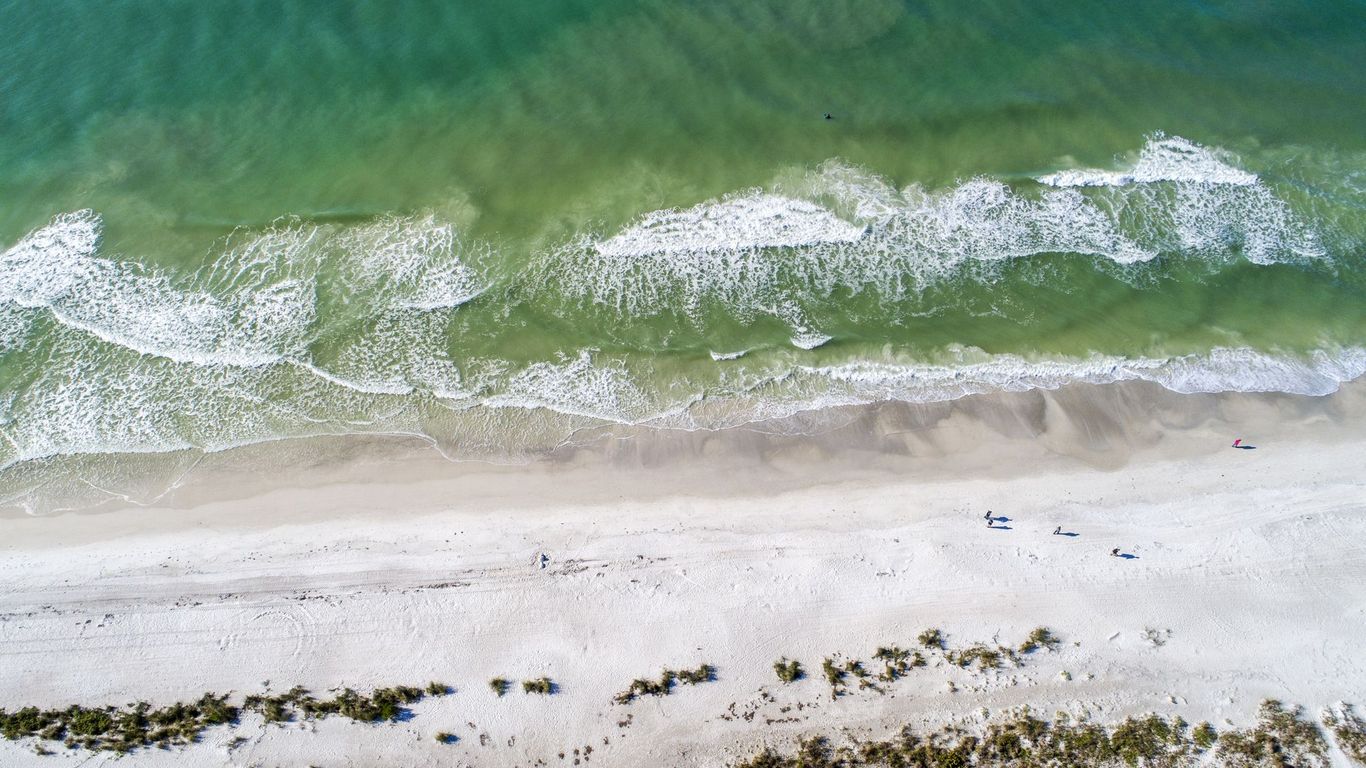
{"points": [[720, 356], [846, 230], [212, 359], [254, 303], [418, 262], [56, 268], [400, 352], [15, 323], [1182, 197], [576, 386], [150, 404], [1163, 158], [1220, 370], [739, 222]]}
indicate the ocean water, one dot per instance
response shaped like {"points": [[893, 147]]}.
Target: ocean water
{"points": [[493, 225]]}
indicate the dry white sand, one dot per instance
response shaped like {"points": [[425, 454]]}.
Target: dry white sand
{"points": [[1248, 565]]}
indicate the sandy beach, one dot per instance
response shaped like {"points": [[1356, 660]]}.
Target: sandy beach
{"points": [[1242, 580]]}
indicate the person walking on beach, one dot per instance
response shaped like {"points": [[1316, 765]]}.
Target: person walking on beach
{"points": [[1114, 552], [988, 518], [1057, 531]]}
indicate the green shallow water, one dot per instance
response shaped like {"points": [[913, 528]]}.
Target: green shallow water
{"points": [[238, 221]]}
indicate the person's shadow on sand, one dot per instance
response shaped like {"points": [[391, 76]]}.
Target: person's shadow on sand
{"points": [[1069, 534], [1126, 556]]}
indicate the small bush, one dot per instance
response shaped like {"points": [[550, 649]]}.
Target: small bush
{"points": [[1281, 737], [437, 689], [665, 684], [541, 685], [897, 662], [833, 674], [983, 656], [932, 638], [500, 685], [1204, 736], [445, 737], [1041, 637], [1350, 732], [703, 674], [787, 670]]}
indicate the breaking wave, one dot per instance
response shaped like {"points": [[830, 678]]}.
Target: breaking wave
{"points": [[302, 328], [842, 230]]}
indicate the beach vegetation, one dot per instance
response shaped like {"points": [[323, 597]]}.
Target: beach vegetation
{"points": [[1041, 637], [438, 689], [500, 685], [120, 729], [1204, 736], [382, 704], [983, 656], [664, 685], [643, 686], [787, 670], [897, 662], [932, 639], [541, 685], [833, 674], [1349, 730], [1020, 740], [1282, 736], [1145, 740], [446, 737], [704, 673]]}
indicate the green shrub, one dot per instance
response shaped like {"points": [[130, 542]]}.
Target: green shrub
{"points": [[703, 674], [1041, 637], [897, 662], [932, 638], [500, 685], [541, 685], [88, 722], [787, 670], [1281, 737], [1204, 736], [1350, 732], [833, 674], [665, 684], [981, 655], [437, 689]]}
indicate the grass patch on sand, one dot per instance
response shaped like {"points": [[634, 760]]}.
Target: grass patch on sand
{"points": [[897, 662], [981, 656], [1041, 637], [787, 670], [664, 685], [120, 729], [541, 685], [382, 704], [1281, 737], [500, 686], [1349, 730]]}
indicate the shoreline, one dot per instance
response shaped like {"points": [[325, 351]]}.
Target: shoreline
{"points": [[1002, 434], [783, 545]]}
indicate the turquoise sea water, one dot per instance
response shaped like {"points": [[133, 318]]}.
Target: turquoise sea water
{"points": [[493, 224]]}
